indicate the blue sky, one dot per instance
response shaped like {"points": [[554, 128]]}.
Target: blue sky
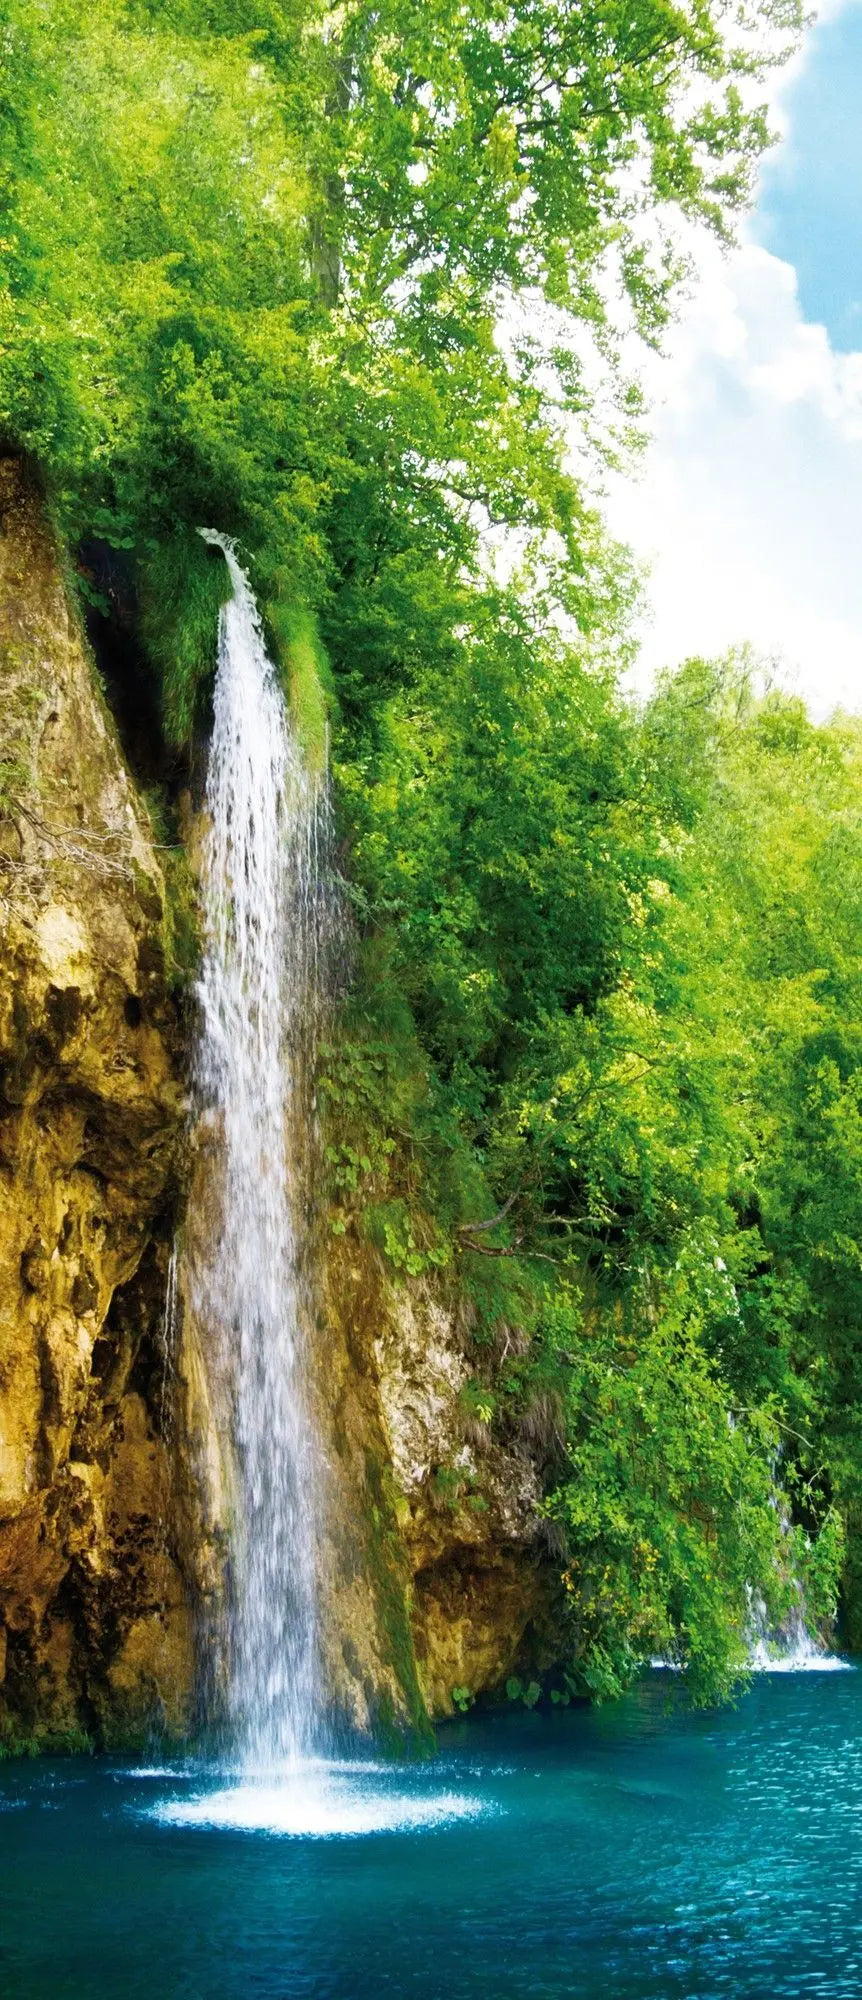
{"points": [[810, 209], [748, 507]]}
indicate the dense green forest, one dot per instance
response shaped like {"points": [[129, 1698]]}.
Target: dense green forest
{"points": [[353, 285]]}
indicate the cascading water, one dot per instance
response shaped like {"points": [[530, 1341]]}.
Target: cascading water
{"points": [[269, 908], [788, 1648], [264, 897], [791, 1646]]}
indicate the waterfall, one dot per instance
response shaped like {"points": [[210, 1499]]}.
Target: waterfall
{"points": [[263, 894], [788, 1648], [791, 1646]]}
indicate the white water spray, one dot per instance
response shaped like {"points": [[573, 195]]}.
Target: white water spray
{"points": [[269, 908], [263, 898], [790, 1648]]}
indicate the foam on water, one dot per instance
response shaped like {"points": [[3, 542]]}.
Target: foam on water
{"points": [[790, 1649], [325, 1802], [136, 1771], [800, 1660]]}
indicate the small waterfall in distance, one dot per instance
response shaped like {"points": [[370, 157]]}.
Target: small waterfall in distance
{"points": [[265, 898], [790, 1649]]}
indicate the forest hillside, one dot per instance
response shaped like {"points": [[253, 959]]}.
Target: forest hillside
{"points": [[358, 288]]}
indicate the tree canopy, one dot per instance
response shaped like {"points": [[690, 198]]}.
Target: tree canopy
{"points": [[349, 284]]}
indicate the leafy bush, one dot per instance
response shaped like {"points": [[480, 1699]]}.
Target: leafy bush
{"points": [[328, 284]]}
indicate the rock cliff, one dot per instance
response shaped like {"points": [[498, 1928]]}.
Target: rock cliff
{"points": [[438, 1572], [95, 1603], [112, 1497]]}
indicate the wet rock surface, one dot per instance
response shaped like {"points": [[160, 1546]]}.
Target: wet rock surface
{"points": [[95, 1611], [114, 1482]]}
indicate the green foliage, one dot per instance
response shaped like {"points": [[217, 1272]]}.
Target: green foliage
{"points": [[181, 923], [666, 1503], [305, 668], [15, 778], [183, 584], [479, 1401], [678, 1262], [336, 283], [527, 1692], [155, 317], [714, 1358], [71, 1742], [253, 262]]}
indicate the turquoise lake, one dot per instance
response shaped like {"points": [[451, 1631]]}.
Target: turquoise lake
{"points": [[631, 1851]]}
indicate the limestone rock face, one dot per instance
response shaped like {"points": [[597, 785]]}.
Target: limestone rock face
{"points": [[441, 1576], [114, 1479], [483, 1585], [95, 1619]]}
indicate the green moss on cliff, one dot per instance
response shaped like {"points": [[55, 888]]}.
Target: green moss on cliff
{"points": [[183, 584], [307, 677], [390, 1579], [45, 1743]]}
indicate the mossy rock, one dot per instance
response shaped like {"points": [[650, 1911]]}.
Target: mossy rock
{"points": [[410, 1732]]}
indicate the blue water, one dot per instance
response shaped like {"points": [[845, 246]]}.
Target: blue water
{"points": [[632, 1851]]}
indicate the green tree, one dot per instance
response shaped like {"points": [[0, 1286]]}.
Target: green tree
{"points": [[341, 282]]}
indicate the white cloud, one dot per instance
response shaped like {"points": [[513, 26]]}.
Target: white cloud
{"points": [[749, 502]]}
